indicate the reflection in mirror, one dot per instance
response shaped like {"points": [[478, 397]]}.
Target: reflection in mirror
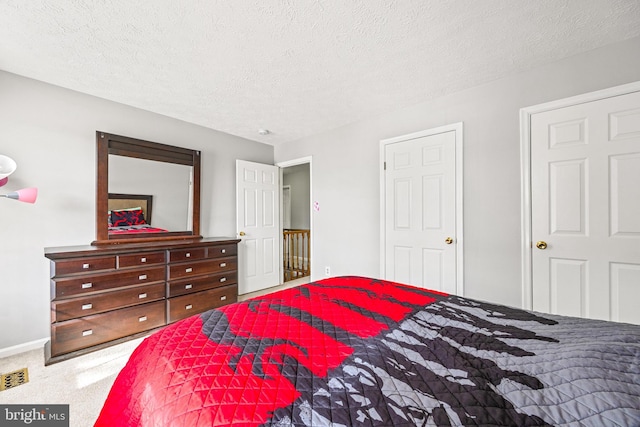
{"points": [[168, 183], [165, 176]]}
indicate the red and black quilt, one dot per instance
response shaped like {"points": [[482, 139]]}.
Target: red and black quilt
{"points": [[354, 351]]}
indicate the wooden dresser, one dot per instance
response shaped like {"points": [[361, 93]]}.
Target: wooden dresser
{"points": [[103, 295]]}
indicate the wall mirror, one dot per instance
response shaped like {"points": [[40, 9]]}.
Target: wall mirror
{"points": [[137, 177]]}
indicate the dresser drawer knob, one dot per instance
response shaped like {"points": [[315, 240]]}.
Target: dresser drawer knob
{"points": [[223, 279], [87, 306], [87, 285], [141, 296], [142, 277], [143, 259], [224, 251], [189, 286], [142, 319], [188, 270], [87, 332], [223, 297], [187, 255], [85, 266], [223, 264], [188, 307]]}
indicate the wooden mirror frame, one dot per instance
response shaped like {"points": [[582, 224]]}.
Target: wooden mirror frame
{"points": [[106, 144]]}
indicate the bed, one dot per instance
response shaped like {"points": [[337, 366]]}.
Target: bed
{"points": [[356, 351], [130, 214]]}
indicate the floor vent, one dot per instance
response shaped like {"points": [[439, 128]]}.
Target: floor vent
{"points": [[14, 379]]}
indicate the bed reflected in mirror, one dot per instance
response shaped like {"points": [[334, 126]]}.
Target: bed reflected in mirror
{"points": [[137, 177], [167, 184], [131, 213]]}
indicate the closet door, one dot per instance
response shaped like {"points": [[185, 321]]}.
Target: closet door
{"points": [[585, 195], [420, 188]]}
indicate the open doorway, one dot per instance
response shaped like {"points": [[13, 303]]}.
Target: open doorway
{"points": [[296, 220]]}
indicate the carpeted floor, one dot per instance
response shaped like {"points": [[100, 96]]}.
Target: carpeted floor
{"points": [[82, 382]]}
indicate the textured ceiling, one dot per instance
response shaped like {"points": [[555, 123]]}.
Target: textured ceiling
{"points": [[295, 67]]}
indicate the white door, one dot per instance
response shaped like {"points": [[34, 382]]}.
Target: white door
{"points": [[257, 219], [419, 213], [585, 216]]}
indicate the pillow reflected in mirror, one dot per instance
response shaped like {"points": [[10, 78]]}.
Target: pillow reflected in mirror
{"points": [[126, 217]]}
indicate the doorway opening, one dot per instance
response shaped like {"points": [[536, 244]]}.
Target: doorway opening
{"points": [[296, 219]]}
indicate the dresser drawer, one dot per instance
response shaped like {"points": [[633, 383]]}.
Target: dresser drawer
{"points": [[188, 286], [98, 303], [199, 268], [82, 265], [140, 260], [226, 264], [178, 255], [99, 328], [189, 305], [75, 286], [219, 251]]}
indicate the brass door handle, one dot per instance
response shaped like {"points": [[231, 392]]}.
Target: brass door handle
{"points": [[541, 245], [448, 240], [242, 233]]}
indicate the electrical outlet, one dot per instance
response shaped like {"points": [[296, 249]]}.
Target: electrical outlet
{"points": [[327, 271]]}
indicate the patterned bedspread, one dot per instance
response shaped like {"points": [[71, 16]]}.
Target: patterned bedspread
{"points": [[354, 351], [138, 228]]}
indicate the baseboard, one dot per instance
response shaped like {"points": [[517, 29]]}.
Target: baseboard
{"points": [[21, 348]]}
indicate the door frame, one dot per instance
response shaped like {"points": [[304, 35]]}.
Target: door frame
{"points": [[286, 203], [286, 164], [458, 129], [525, 173]]}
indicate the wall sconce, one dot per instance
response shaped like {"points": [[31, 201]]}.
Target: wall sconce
{"points": [[7, 167], [27, 195]]}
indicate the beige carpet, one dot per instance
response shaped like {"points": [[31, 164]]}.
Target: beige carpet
{"points": [[82, 382]]}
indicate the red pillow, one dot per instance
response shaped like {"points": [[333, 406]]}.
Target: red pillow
{"points": [[121, 218]]}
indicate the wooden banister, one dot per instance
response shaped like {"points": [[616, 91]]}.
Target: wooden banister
{"points": [[297, 253]]}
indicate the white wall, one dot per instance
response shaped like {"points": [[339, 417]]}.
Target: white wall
{"points": [[50, 132], [346, 169], [299, 180]]}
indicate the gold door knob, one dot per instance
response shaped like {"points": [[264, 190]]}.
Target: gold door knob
{"points": [[541, 245], [242, 233], [448, 240]]}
